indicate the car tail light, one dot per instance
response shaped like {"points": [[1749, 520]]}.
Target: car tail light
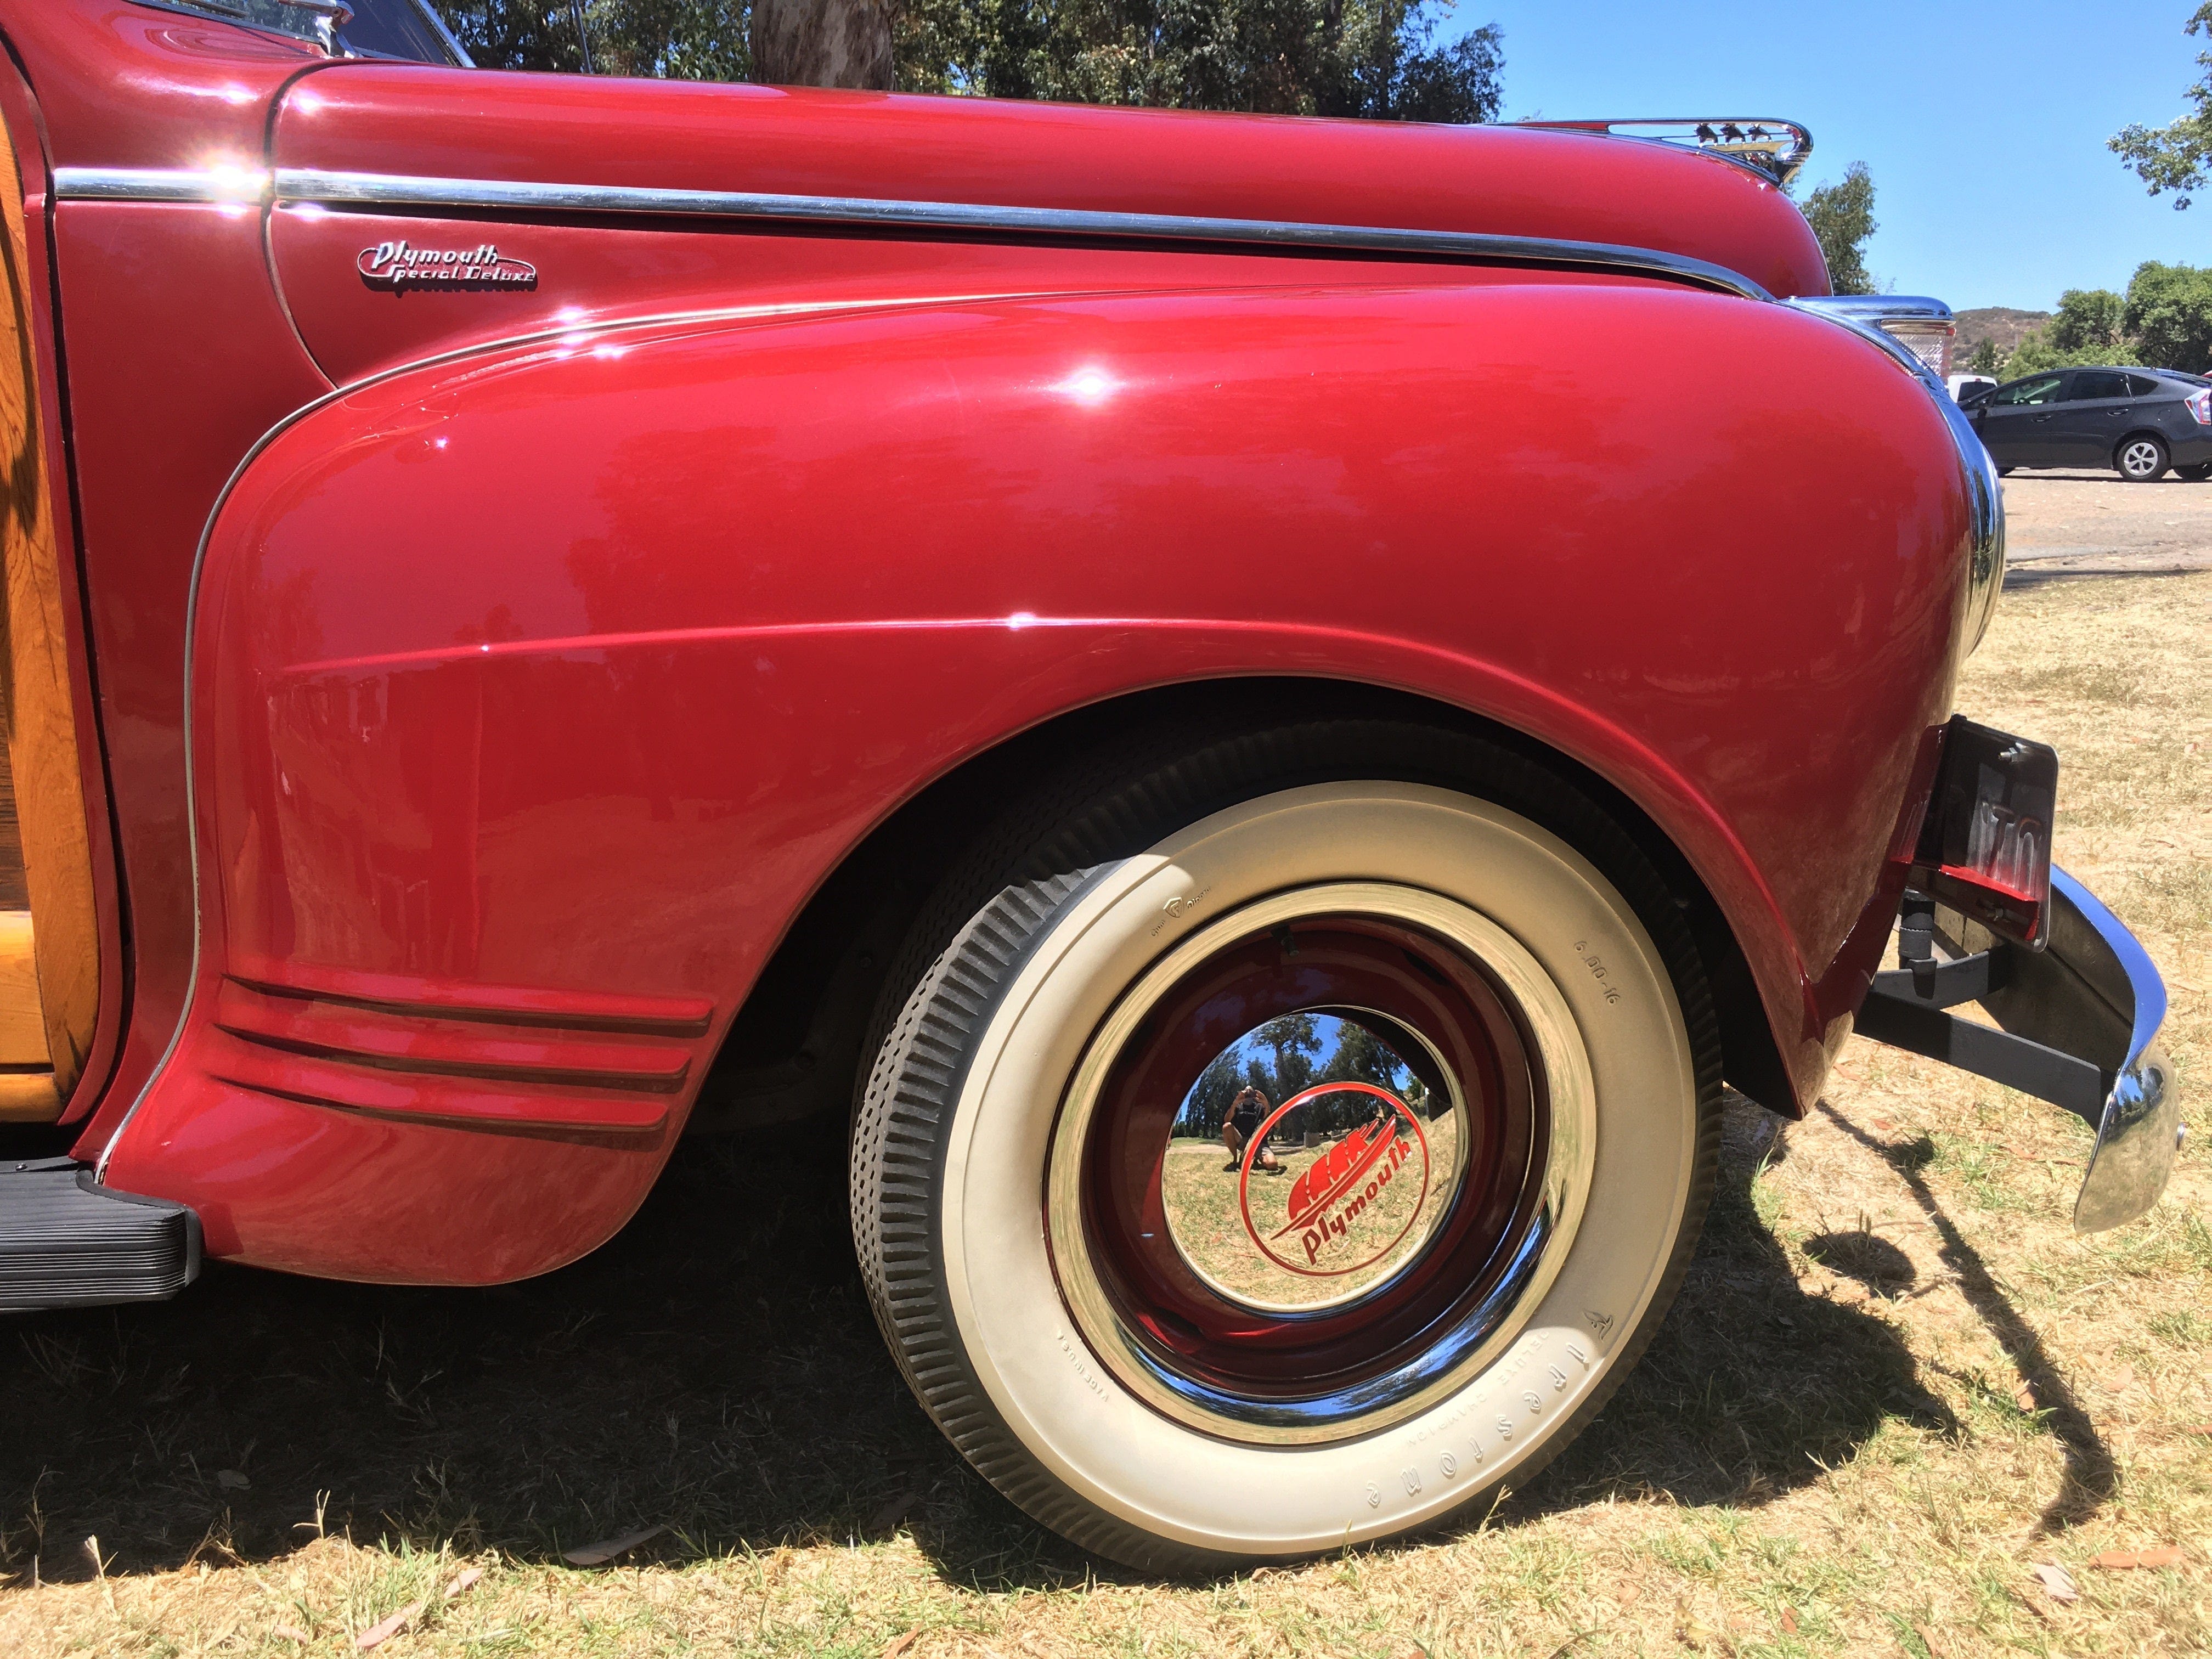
{"points": [[1926, 338], [1985, 847], [2200, 405]]}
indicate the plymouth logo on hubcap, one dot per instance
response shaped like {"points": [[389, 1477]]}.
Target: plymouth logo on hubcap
{"points": [[1352, 1205], [401, 265]]}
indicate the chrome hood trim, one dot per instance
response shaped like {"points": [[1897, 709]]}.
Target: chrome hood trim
{"points": [[1776, 150], [289, 185]]}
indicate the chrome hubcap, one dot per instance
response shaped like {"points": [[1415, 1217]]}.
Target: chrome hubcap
{"points": [[1339, 1187], [1390, 1200], [2139, 459]]}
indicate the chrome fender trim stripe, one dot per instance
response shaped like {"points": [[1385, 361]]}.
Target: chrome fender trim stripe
{"points": [[160, 185], [298, 185]]}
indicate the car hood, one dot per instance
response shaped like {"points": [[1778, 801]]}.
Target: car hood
{"points": [[1498, 180]]}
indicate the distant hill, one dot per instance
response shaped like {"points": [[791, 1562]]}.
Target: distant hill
{"points": [[1998, 323]]}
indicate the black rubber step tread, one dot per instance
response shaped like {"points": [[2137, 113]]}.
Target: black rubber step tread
{"points": [[67, 1242]]}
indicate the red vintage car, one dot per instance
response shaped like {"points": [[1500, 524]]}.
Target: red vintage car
{"points": [[1258, 712]]}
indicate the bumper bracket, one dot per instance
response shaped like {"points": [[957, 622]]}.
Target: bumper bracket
{"points": [[2076, 1025]]}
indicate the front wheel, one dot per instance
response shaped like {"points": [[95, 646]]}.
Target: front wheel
{"points": [[2141, 460], [1482, 1148]]}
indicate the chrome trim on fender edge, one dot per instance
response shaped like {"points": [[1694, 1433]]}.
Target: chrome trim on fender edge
{"points": [[305, 184], [1864, 315]]}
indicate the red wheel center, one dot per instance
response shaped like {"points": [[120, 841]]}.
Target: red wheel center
{"points": [[1382, 1217]]}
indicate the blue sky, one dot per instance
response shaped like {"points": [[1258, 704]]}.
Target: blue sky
{"points": [[1984, 121]]}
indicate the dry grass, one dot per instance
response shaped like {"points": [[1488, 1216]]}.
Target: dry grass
{"points": [[1894, 1383]]}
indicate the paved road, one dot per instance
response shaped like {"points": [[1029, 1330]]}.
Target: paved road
{"points": [[2059, 524]]}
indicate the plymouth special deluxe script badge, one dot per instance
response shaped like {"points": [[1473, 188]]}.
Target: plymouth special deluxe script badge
{"points": [[400, 266]]}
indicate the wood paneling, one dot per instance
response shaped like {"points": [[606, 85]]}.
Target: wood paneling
{"points": [[15, 895], [22, 1017], [53, 852]]}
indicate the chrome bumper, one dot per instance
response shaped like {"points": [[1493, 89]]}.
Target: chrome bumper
{"points": [[2077, 1025]]}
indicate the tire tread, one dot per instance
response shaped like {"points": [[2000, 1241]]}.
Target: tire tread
{"points": [[978, 926]]}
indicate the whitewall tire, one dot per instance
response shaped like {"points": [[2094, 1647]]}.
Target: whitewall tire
{"points": [[1116, 1330]]}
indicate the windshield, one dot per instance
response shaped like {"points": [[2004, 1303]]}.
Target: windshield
{"points": [[405, 29]]}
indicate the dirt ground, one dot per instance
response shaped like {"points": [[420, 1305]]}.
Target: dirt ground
{"points": [[2066, 524], [1899, 1408]]}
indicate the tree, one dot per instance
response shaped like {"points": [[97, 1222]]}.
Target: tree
{"points": [[2174, 157], [672, 39], [1986, 358], [1293, 1040], [2169, 313], [1377, 58], [2088, 327], [1206, 1106], [2165, 321], [1360, 1057], [824, 43], [1842, 217]]}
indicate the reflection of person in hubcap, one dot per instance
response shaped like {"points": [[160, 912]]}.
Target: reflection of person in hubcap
{"points": [[1246, 1113]]}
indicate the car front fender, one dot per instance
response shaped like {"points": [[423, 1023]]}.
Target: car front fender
{"points": [[532, 693]]}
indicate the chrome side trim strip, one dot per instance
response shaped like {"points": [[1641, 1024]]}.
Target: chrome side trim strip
{"points": [[307, 184], [383, 190], [160, 185]]}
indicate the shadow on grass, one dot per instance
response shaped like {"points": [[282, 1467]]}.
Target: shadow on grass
{"points": [[2020, 577], [2091, 1476], [1753, 1385], [716, 1367]]}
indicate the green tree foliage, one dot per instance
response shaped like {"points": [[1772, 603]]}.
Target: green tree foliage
{"points": [[2163, 321], [2087, 329], [1279, 1060], [1294, 1041], [1986, 358], [1842, 217], [2174, 157], [2169, 316], [1378, 59], [1360, 57], [2089, 320], [1360, 1057], [1208, 1104], [674, 39]]}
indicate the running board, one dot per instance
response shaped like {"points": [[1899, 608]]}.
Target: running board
{"points": [[67, 1242]]}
